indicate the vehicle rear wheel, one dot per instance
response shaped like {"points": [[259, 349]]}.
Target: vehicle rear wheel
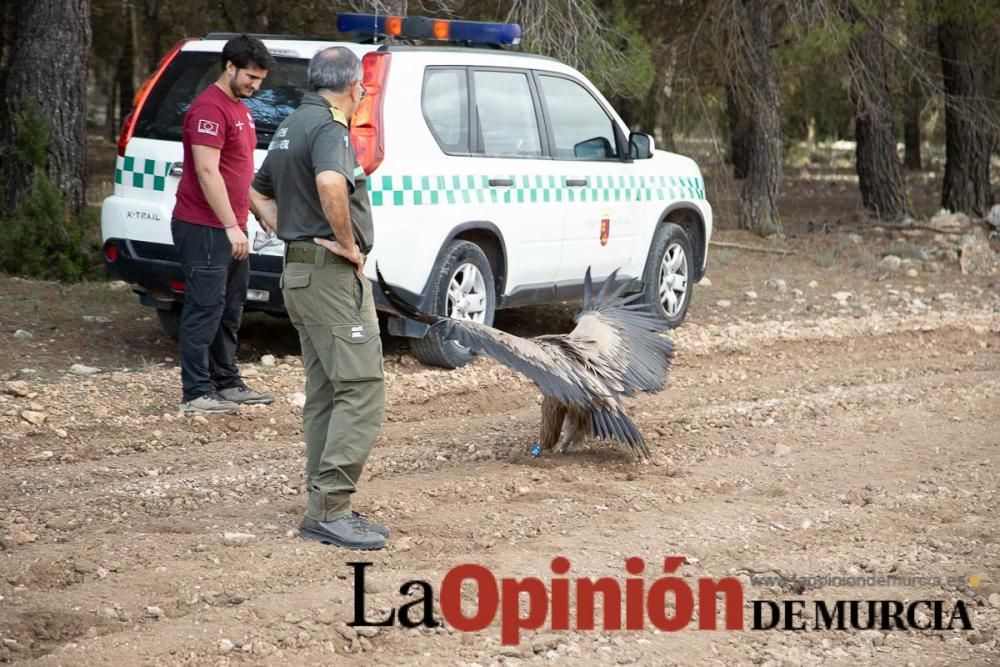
{"points": [[462, 288], [667, 279], [170, 321]]}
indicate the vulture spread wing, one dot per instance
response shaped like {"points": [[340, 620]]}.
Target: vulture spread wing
{"points": [[614, 350]]}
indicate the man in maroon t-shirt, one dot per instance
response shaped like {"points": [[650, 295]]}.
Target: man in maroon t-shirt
{"points": [[209, 229]]}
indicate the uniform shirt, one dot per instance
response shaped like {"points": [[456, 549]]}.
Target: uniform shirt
{"points": [[216, 120], [313, 139]]}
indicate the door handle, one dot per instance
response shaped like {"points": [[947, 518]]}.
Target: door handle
{"points": [[501, 182], [177, 169], [576, 182]]}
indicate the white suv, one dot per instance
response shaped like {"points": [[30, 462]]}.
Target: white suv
{"points": [[496, 179]]}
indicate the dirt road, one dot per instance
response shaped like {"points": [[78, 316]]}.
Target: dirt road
{"points": [[803, 433]]}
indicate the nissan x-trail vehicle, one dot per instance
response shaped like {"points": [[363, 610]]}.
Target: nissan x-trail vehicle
{"points": [[496, 179]]}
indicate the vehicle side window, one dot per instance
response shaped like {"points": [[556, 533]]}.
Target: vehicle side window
{"points": [[445, 103], [508, 126], [581, 129]]}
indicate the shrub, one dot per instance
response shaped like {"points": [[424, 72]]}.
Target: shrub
{"points": [[42, 240]]}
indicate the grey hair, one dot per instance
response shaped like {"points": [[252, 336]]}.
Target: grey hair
{"points": [[334, 68]]}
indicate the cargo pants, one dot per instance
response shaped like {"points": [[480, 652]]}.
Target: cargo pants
{"points": [[213, 307], [334, 312]]}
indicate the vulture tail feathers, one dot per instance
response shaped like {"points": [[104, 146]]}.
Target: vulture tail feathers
{"points": [[615, 425]]}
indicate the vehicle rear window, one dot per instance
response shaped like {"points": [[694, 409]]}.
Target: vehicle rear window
{"points": [[192, 71]]}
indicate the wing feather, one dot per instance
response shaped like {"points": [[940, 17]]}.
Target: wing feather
{"points": [[543, 361]]}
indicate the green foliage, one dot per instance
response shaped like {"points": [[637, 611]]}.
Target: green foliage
{"points": [[976, 13], [815, 46], [42, 240], [815, 104], [629, 71], [608, 46]]}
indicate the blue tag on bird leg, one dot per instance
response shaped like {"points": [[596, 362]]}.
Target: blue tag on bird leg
{"points": [[536, 449]]}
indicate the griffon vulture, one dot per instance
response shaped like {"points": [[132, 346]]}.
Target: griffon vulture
{"points": [[615, 350]]}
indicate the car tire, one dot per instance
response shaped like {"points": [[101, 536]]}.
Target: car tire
{"points": [[667, 279], [170, 321], [464, 272]]}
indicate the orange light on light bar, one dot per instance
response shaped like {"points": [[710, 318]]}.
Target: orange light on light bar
{"points": [[394, 25], [441, 29]]}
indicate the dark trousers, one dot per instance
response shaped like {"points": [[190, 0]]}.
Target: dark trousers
{"points": [[215, 291]]}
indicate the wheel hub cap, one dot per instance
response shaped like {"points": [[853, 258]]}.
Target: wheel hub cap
{"points": [[673, 279], [467, 294]]}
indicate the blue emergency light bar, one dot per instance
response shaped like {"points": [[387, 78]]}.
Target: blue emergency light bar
{"points": [[421, 27]]}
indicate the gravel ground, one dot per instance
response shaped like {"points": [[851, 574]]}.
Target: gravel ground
{"points": [[829, 413]]}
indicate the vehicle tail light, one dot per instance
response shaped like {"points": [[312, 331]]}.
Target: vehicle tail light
{"points": [[176, 285], [128, 125], [110, 252], [367, 129]]}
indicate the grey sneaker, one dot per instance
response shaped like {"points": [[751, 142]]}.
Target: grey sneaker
{"points": [[246, 396], [348, 532], [373, 526], [211, 404]]}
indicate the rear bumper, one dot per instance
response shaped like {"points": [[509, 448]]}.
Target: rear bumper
{"points": [[155, 272]]}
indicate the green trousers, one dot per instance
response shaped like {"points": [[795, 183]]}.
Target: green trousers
{"points": [[333, 310]]}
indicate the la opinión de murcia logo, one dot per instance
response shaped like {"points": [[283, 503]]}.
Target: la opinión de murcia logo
{"points": [[668, 603]]}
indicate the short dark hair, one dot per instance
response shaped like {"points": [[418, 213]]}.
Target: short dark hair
{"points": [[243, 50]]}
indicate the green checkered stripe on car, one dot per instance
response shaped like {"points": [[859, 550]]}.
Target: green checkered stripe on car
{"points": [[403, 190], [142, 173]]}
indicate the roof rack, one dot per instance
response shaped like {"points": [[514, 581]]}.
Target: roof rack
{"points": [[301, 38]]}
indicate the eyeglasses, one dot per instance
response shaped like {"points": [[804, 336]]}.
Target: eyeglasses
{"points": [[364, 91]]}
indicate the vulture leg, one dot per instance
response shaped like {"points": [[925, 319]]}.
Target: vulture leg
{"points": [[553, 413], [575, 429]]}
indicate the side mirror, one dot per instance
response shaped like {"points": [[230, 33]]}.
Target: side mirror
{"points": [[640, 146], [598, 148]]}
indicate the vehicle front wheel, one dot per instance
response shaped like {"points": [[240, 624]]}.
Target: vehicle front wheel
{"points": [[170, 321], [463, 289], [667, 279]]}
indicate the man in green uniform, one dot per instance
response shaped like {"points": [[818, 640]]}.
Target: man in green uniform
{"points": [[313, 191]]}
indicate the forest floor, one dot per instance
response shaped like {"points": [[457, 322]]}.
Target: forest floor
{"points": [[829, 414]]}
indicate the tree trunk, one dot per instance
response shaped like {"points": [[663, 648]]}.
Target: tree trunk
{"points": [[740, 133], [151, 15], [49, 72], [8, 25], [911, 126], [111, 92], [250, 15], [968, 140], [757, 88], [125, 74], [667, 119], [880, 175], [656, 114]]}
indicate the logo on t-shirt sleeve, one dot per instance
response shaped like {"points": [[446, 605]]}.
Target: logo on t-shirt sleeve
{"points": [[208, 127]]}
